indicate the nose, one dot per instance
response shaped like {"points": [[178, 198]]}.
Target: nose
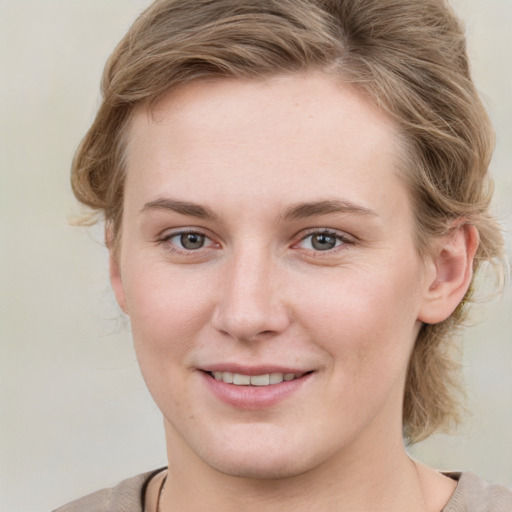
{"points": [[251, 302]]}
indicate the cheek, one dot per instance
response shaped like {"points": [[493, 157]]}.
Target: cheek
{"points": [[166, 311], [367, 319], [166, 316]]}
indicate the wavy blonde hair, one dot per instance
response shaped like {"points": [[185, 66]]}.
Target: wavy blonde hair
{"points": [[409, 56]]}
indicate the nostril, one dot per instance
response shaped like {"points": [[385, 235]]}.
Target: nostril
{"points": [[248, 318]]}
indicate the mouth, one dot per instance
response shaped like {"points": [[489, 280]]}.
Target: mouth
{"points": [[254, 388], [266, 379]]}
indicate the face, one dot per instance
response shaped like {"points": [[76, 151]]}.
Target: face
{"points": [[268, 267]]}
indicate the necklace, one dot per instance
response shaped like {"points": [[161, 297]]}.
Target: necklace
{"points": [[159, 498]]}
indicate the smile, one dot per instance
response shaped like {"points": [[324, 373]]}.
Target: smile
{"points": [[255, 388], [267, 379]]}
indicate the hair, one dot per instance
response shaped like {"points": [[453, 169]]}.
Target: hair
{"points": [[409, 56]]}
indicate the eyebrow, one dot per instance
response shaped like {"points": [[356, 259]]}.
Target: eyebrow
{"points": [[295, 211], [316, 208], [182, 207]]}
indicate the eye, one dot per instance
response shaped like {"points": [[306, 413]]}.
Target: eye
{"points": [[322, 241], [187, 241]]}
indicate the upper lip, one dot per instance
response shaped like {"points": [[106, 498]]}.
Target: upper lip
{"points": [[251, 370]]}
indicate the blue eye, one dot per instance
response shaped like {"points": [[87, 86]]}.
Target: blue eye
{"points": [[322, 241]]}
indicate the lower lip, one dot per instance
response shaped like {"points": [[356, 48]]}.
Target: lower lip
{"points": [[254, 397]]}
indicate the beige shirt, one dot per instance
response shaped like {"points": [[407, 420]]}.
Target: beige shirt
{"points": [[472, 494]]}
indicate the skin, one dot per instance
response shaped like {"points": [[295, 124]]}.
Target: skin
{"points": [[232, 161]]}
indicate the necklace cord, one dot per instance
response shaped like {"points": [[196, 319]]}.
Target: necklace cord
{"points": [[160, 493]]}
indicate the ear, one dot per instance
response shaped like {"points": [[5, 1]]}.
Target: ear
{"points": [[451, 273], [115, 270], [117, 282]]}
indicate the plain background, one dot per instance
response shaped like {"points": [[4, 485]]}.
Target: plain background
{"points": [[75, 415]]}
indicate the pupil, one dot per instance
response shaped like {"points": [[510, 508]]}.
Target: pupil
{"points": [[323, 242], [192, 240]]}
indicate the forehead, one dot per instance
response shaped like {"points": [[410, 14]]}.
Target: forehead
{"points": [[321, 101], [283, 137]]}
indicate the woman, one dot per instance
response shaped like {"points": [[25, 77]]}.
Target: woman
{"points": [[296, 201]]}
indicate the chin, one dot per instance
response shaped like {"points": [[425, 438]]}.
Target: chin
{"points": [[263, 467], [260, 456]]}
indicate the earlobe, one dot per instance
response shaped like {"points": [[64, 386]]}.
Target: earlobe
{"points": [[452, 271]]}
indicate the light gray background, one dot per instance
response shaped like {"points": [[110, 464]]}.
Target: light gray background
{"points": [[75, 415]]}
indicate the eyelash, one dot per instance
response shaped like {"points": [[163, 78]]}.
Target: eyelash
{"points": [[173, 247], [341, 241]]}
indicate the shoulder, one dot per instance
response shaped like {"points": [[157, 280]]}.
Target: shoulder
{"points": [[127, 496], [475, 495]]}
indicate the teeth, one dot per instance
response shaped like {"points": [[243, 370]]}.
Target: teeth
{"points": [[260, 380], [241, 380], [267, 379], [276, 378]]}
